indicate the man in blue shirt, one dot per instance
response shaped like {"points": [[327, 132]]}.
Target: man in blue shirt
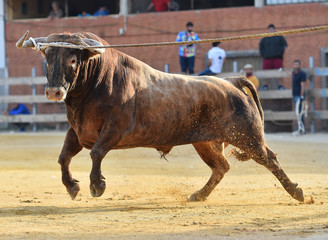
{"points": [[20, 109], [299, 82], [102, 11], [187, 52]]}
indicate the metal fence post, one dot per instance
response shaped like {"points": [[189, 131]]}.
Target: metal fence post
{"points": [[167, 68], [311, 66], [235, 66], [34, 111]]}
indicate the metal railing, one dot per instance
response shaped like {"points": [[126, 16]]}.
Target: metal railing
{"points": [[269, 115], [281, 2]]}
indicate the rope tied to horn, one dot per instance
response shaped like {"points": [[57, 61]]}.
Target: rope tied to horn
{"points": [[41, 46], [36, 46]]}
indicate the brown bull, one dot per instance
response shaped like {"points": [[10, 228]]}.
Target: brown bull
{"points": [[115, 101]]}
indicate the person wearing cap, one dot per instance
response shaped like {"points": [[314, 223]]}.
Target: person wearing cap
{"points": [[248, 70], [272, 50], [216, 58], [187, 53]]}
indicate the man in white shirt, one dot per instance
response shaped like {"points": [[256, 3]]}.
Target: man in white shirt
{"points": [[216, 58]]}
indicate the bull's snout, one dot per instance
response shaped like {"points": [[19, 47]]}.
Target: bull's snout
{"points": [[55, 94]]}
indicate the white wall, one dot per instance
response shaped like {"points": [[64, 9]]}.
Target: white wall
{"points": [[4, 90]]}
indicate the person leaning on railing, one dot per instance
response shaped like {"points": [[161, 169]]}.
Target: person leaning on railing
{"points": [[272, 50], [20, 108]]}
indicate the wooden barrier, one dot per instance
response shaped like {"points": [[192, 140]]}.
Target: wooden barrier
{"points": [[313, 93], [39, 118], [23, 81], [285, 73], [279, 115], [264, 95], [24, 99], [287, 94], [290, 115], [29, 99], [275, 94]]}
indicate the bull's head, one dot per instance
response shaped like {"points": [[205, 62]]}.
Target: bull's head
{"points": [[64, 55]]}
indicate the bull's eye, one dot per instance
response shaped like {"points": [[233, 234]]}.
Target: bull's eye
{"points": [[72, 62]]}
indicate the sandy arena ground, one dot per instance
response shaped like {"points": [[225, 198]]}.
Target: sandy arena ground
{"points": [[146, 196]]}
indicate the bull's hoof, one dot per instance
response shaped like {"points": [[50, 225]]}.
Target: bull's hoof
{"points": [[97, 189], [197, 197], [298, 194], [74, 190]]}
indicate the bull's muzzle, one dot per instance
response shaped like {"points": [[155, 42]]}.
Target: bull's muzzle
{"points": [[55, 94]]}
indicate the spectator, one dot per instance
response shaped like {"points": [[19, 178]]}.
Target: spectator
{"points": [[216, 58], [272, 50], [298, 86], [248, 70], [159, 5], [20, 109], [56, 11], [187, 52], [174, 6], [84, 14], [102, 11]]}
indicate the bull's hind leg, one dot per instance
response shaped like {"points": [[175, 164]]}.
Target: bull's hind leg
{"points": [[264, 156], [212, 155], [268, 159], [70, 149]]}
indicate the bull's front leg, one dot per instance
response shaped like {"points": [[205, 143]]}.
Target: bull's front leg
{"points": [[212, 154], [70, 149], [104, 143], [97, 183]]}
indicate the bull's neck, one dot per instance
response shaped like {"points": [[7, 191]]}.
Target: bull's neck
{"points": [[91, 80]]}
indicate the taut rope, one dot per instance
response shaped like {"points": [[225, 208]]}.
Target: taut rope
{"points": [[260, 35]]}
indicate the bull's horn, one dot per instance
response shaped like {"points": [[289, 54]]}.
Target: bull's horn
{"points": [[94, 43], [23, 43]]}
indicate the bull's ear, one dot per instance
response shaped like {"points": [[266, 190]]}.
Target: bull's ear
{"points": [[97, 50], [93, 54]]}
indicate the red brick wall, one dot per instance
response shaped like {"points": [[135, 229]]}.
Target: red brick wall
{"points": [[159, 27]]}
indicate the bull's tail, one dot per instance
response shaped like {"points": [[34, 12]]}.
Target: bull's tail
{"points": [[239, 154], [240, 83]]}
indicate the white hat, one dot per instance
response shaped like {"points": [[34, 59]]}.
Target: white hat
{"points": [[248, 66]]}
